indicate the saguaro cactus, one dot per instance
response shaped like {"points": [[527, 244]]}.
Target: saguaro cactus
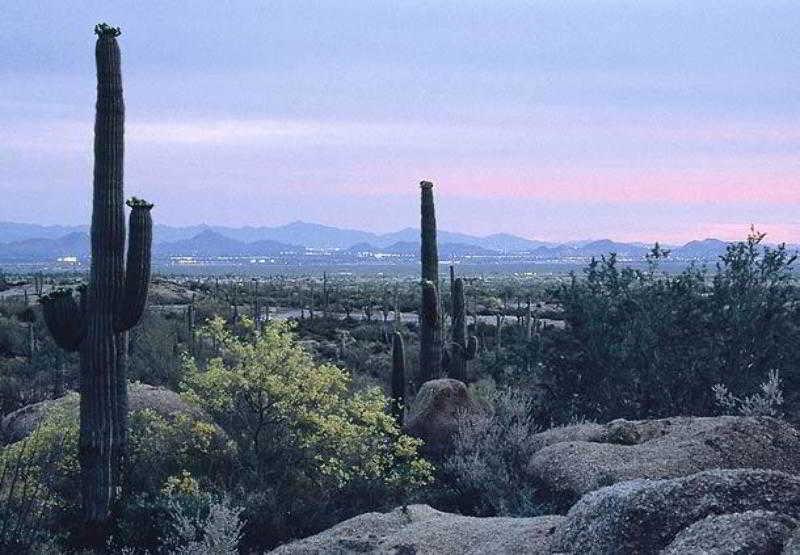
{"points": [[256, 306], [431, 349], [398, 377], [462, 348], [430, 356], [112, 303], [191, 316], [429, 249], [325, 297]]}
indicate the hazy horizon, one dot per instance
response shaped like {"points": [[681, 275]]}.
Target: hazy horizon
{"points": [[660, 121]]}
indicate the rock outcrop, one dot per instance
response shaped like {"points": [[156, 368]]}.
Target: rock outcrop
{"points": [[678, 485], [20, 423], [435, 413], [738, 533], [421, 530], [646, 516], [576, 460]]}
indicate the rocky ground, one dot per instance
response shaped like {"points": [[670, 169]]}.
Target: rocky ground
{"points": [[679, 485]]}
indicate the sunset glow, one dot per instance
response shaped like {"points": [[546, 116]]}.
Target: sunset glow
{"points": [[681, 112]]}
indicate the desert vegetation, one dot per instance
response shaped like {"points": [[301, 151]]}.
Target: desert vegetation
{"points": [[222, 414], [293, 391]]}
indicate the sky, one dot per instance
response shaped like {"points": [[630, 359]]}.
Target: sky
{"points": [[558, 121]]}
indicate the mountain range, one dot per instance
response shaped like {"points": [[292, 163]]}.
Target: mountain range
{"points": [[31, 242]]}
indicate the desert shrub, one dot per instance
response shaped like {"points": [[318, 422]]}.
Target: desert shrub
{"points": [[27, 498], [312, 452], [154, 353], [644, 343], [368, 331], [39, 483], [216, 530], [160, 448], [27, 376], [13, 336], [765, 402], [485, 475]]}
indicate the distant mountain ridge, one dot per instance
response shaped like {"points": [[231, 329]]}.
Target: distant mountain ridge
{"points": [[31, 242], [315, 236]]}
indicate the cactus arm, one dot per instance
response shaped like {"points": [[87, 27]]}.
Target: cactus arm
{"points": [[137, 267], [64, 319]]}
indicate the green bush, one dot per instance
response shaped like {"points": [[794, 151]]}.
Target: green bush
{"points": [[644, 344], [311, 451], [161, 449]]}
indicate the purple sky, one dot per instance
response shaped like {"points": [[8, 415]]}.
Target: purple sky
{"points": [[553, 120]]}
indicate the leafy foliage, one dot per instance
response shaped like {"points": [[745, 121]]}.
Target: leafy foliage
{"points": [[642, 344], [310, 449]]}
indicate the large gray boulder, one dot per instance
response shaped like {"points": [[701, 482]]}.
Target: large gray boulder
{"points": [[735, 534], [645, 516], [576, 460], [435, 413], [19, 424], [421, 530]]}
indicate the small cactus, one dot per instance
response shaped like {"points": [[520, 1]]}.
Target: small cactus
{"points": [[462, 348], [398, 377]]}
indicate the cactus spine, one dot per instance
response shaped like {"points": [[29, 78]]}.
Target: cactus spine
{"points": [[398, 377], [462, 348], [430, 329], [111, 304]]}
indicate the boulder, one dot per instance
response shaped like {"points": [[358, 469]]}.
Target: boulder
{"points": [[20, 423], [792, 546], [645, 516], [435, 414], [576, 460], [738, 533], [421, 530]]}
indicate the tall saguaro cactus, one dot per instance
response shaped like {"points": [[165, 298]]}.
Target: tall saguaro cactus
{"points": [[429, 248], [462, 348], [112, 303], [430, 356]]}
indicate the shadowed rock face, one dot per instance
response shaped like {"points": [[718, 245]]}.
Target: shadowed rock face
{"points": [[20, 423], [576, 460], [738, 533], [646, 516], [435, 413], [422, 530]]}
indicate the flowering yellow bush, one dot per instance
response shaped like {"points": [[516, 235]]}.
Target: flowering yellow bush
{"points": [[300, 430]]}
